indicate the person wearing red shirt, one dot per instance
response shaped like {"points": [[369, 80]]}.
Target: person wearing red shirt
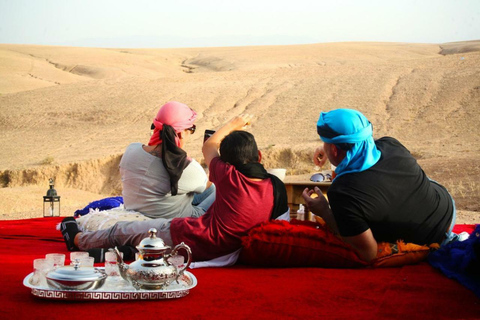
{"points": [[246, 195]]}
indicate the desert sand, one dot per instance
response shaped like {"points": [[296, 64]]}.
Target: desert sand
{"points": [[68, 113]]}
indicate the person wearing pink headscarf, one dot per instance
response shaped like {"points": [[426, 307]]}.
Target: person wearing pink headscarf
{"points": [[159, 179]]}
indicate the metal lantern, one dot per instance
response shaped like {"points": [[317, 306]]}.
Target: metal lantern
{"points": [[51, 202]]}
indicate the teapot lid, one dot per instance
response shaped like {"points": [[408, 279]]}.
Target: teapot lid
{"points": [[152, 242]]}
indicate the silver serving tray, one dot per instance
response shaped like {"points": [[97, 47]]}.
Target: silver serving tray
{"points": [[115, 288]]}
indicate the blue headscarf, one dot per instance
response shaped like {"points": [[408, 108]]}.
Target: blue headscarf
{"points": [[350, 126]]}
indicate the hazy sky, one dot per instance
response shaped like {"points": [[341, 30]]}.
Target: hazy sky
{"points": [[190, 23]]}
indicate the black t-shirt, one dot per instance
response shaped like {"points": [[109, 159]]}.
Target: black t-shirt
{"points": [[394, 198]]}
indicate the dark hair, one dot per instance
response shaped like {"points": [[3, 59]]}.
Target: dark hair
{"points": [[327, 132], [174, 158], [238, 148]]}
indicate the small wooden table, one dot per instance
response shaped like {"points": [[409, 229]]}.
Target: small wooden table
{"points": [[294, 194]]}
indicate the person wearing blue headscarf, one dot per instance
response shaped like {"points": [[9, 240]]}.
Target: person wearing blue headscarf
{"points": [[380, 193], [356, 130]]}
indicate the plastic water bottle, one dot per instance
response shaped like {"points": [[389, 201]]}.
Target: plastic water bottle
{"points": [[301, 212]]}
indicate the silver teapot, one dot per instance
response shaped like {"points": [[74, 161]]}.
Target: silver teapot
{"points": [[152, 270]]}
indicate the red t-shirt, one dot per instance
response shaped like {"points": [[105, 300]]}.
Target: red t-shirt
{"points": [[240, 204]]}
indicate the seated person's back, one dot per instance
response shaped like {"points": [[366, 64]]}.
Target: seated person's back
{"points": [[242, 204], [146, 185], [394, 198], [380, 192], [159, 179]]}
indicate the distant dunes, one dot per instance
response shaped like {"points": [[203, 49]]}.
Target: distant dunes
{"points": [[460, 47]]}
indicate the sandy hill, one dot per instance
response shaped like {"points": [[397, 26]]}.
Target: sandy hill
{"points": [[68, 113]]}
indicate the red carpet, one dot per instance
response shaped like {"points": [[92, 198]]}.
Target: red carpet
{"points": [[240, 292]]}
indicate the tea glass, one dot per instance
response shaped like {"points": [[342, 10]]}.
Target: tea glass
{"points": [[86, 262], [111, 266], [177, 260], [58, 259], [77, 255], [40, 269]]}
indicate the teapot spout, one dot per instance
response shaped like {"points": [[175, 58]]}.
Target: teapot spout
{"points": [[119, 255], [122, 266]]}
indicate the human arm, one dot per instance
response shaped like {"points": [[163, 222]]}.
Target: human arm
{"points": [[319, 206], [364, 243], [319, 156], [210, 147]]}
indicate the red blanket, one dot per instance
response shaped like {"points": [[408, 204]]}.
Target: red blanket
{"points": [[240, 292]]}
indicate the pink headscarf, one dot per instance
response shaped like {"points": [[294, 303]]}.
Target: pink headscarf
{"points": [[175, 114]]}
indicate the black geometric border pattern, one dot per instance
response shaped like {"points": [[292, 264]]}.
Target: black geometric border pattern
{"points": [[99, 295]]}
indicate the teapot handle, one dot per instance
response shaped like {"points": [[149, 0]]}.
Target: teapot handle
{"points": [[189, 254]]}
